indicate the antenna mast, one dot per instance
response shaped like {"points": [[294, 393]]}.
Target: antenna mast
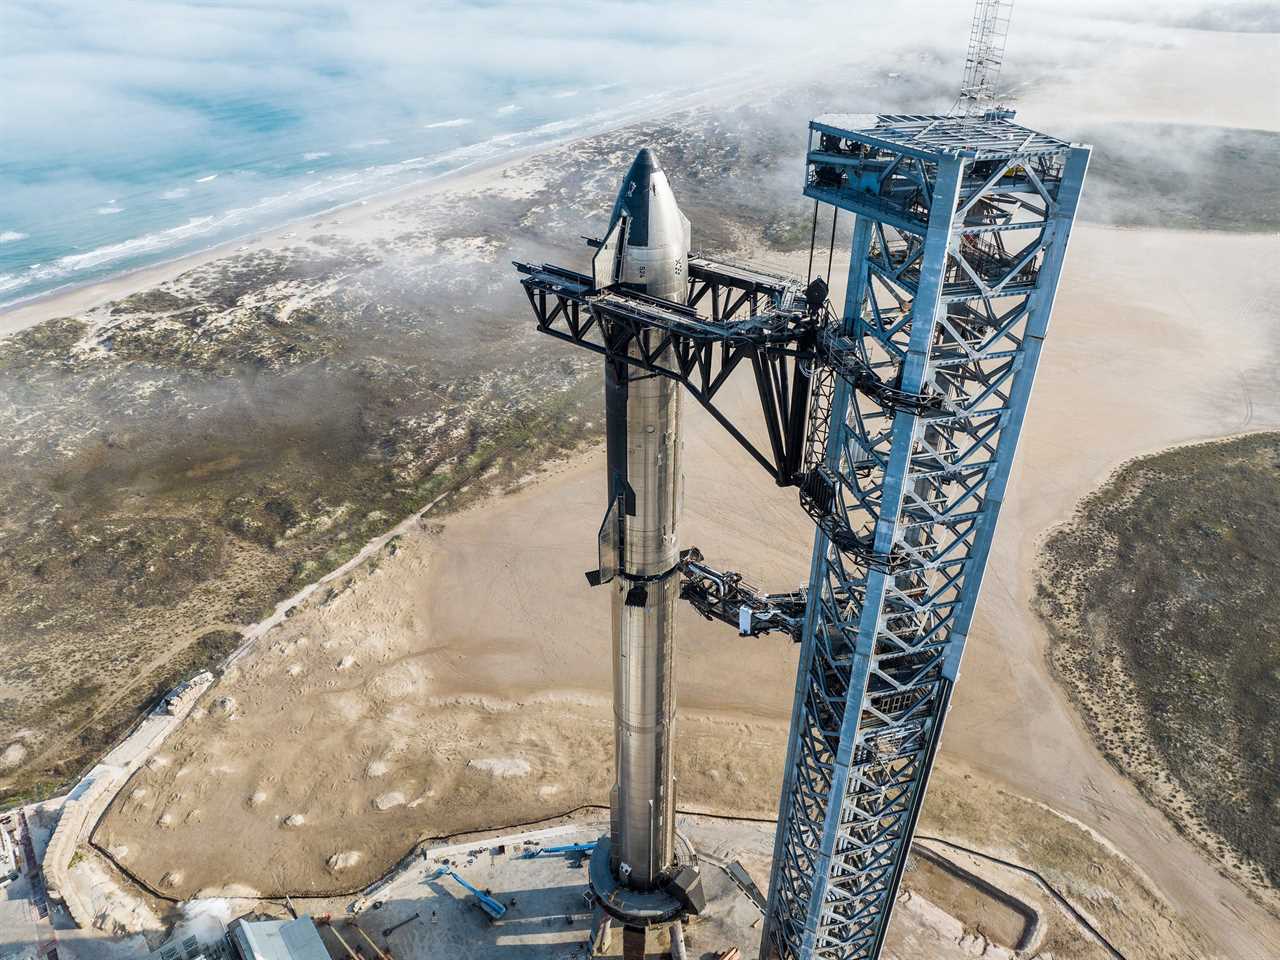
{"points": [[982, 65]]}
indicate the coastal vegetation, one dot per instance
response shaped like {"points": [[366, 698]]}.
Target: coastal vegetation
{"points": [[1161, 602]]}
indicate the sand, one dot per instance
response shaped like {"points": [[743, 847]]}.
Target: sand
{"points": [[360, 220], [480, 641], [477, 679]]}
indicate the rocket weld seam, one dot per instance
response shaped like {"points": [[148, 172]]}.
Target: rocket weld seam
{"points": [[649, 577], [630, 727]]}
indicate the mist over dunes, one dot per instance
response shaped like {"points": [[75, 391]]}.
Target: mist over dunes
{"points": [[192, 445]]}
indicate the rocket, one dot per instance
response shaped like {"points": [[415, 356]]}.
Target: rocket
{"points": [[645, 249]]}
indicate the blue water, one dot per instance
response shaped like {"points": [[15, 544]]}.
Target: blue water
{"points": [[135, 131], [63, 223]]}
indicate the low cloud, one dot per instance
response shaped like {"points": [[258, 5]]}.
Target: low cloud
{"points": [[95, 93]]}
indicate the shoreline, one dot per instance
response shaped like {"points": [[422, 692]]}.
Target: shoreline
{"points": [[82, 296], [91, 294]]}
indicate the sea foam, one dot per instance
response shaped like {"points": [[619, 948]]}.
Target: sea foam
{"points": [[18, 285]]}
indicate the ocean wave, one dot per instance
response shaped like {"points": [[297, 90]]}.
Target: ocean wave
{"points": [[66, 267], [456, 122], [342, 187], [509, 109], [336, 189], [109, 209], [564, 94], [316, 155], [11, 236], [146, 243], [177, 193]]}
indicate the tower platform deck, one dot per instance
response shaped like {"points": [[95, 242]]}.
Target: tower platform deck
{"points": [[934, 136]]}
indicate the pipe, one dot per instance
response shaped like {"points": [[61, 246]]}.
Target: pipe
{"points": [[360, 930], [677, 942], [350, 953]]}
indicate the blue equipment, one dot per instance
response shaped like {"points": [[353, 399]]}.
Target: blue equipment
{"points": [[564, 848], [488, 904]]}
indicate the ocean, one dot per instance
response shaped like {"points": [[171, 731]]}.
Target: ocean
{"points": [[145, 202], [136, 131]]}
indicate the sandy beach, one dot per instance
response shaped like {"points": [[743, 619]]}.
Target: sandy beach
{"points": [[360, 220]]}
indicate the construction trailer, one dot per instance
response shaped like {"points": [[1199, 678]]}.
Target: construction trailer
{"points": [[277, 939]]}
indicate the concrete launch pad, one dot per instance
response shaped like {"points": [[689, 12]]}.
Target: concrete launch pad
{"points": [[549, 915], [955, 907]]}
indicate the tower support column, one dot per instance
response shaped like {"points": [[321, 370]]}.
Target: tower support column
{"points": [[962, 226]]}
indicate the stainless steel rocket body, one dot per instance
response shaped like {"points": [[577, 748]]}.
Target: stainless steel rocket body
{"points": [[644, 447]]}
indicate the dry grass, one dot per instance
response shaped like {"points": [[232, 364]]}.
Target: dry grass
{"points": [[1161, 600]]}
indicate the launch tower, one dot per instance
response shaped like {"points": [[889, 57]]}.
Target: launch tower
{"points": [[897, 420], [961, 227]]}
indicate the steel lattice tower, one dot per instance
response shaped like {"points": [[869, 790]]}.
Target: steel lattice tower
{"points": [[960, 233], [982, 62]]}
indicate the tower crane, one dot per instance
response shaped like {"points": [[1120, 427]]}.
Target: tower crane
{"points": [[896, 419]]}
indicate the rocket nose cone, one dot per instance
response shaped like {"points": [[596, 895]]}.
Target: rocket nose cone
{"points": [[645, 160], [644, 186], [656, 240]]}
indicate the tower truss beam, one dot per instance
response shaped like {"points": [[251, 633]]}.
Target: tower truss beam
{"points": [[757, 320], [985, 56]]}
